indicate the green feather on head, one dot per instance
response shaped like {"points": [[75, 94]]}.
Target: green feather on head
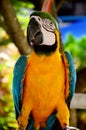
{"points": [[45, 15]]}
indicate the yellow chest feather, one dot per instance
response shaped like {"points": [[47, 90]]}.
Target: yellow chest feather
{"points": [[45, 83]]}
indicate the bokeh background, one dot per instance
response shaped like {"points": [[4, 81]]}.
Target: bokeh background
{"points": [[14, 18]]}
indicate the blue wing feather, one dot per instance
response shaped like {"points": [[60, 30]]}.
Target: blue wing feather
{"points": [[72, 77], [17, 88]]}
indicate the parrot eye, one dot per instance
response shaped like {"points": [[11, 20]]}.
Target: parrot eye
{"points": [[48, 25], [39, 18]]}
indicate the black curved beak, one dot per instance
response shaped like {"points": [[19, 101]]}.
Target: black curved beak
{"points": [[34, 34]]}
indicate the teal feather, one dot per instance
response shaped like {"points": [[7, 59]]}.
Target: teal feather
{"points": [[72, 77], [17, 88]]}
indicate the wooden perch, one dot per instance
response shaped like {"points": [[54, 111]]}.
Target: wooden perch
{"points": [[78, 101], [59, 5]]}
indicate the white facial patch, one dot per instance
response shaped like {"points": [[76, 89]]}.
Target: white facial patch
{"points": [[48, 25], [48, 37], [47, 29]]}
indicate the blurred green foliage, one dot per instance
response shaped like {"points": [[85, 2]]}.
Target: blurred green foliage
{"points": [[4, 38], [77, 47], [23, 11], [7, 117], [8, 58]]}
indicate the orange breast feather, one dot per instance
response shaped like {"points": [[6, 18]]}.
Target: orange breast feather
{"points": [[44, 85]]}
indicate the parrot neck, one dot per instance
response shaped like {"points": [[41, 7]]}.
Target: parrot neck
{"points": [[45, 49], [44, 64], [46, 59]]}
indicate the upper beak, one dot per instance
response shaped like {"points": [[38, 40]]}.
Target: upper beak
{"points": [[33, 29]]}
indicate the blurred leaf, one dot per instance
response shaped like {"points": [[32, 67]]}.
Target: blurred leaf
{"points": [[19, 4], [23, 20], [7, 115], [5, 42], [77, 47], [23, 12]]}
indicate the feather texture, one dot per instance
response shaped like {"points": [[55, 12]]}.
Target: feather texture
{"points": [[18, 83]]}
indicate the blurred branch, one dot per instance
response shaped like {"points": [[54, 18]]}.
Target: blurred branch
{"points": [[73, 117], [2, 24], [54, 10], [12, 26], [81, 81], [55, 7], [59, 5]]}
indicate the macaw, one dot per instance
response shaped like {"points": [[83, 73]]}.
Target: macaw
{"points": [[44, 82]]}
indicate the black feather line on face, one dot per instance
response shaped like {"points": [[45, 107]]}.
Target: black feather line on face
{"points": [[45, 49]]}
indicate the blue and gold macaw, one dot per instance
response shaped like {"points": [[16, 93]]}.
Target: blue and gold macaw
{"points": [[44, 82]]}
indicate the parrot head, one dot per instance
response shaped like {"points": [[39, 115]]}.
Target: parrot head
{"points": [[41, 32]]}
